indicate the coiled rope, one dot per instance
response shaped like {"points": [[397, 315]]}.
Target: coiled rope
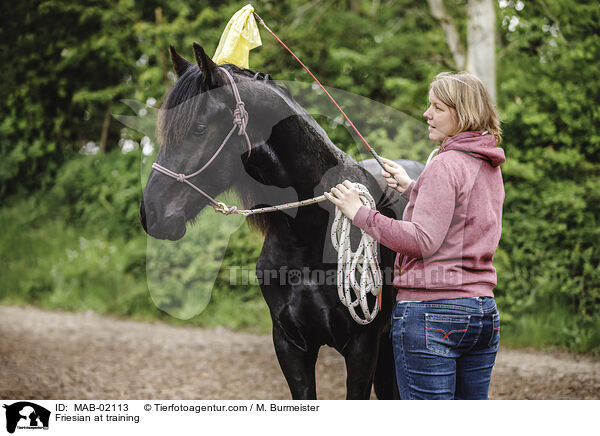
{"points": [[353, 292]]}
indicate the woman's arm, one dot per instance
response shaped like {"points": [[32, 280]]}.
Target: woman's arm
{"points": [[431, 216]]}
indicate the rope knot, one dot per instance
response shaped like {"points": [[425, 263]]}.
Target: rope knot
{"points": [[240, 117], [180, 177], [230, 210], [224, 209]]}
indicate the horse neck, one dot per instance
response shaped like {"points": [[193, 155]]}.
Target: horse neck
{"points": [[290, 152], [289, 148]]}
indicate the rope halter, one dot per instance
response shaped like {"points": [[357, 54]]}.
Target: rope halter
{"points": [[240, 118], [240, 121]]}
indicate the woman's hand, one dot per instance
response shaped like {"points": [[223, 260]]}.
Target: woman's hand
{"points": [[345, 196], [395, 176]]}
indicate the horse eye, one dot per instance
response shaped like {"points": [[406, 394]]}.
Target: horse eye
{"points": [[199, 129]]}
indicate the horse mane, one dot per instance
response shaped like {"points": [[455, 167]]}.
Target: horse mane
{"points": [[185, 98], [256, 75]]}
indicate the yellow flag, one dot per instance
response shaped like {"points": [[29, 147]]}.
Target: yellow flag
{"points": [[239, 37]]}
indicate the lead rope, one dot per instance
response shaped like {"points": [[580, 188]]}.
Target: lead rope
{"points": [[351, 292]]}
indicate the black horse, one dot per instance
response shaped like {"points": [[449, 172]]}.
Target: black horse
{"points": [[289, 158]]}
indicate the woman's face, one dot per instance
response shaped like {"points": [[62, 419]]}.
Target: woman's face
{"points": [[442, 120]]}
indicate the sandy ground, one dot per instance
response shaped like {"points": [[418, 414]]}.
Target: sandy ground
{"points": [[59, 355]]}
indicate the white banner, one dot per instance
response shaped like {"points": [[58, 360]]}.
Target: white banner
{"points": [[288, 418]]}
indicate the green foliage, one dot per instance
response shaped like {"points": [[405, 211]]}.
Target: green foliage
{"points": [[236, 300], [549, 253], [382, 52], [67, 62], [71, 236], [85, 266], [103, 190], [547, 84], [48, 263]]}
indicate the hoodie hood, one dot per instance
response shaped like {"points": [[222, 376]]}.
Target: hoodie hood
{"points": [[478, 145]]}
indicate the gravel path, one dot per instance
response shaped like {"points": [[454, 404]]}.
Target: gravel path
{"points": [[60, 355]]}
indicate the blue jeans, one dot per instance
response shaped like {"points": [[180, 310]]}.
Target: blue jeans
{"points": [[445, 349]]}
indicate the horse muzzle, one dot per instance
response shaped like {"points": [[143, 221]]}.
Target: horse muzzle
{"points": [[165, 227]]}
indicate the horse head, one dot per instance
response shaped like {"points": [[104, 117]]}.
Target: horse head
{"points": [[193, 122], [258, 158]]}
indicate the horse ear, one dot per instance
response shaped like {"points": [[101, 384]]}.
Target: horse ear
{"points": [[207, 66], [180, 64]]}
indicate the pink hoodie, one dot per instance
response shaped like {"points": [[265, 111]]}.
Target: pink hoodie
{"points": [[451, 226]]}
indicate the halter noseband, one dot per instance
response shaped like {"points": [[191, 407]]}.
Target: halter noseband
{"points": [[240, 121]]}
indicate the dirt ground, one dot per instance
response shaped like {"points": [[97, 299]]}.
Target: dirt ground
{"points": [[59, 355]]}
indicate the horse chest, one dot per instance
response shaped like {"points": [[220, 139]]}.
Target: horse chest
{"points": [[309, 314]]}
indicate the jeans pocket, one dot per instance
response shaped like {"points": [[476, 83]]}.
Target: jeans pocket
{"points": [[445, 332], [495, 337]]}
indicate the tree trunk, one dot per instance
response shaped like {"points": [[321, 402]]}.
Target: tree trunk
{"points": [[105, 127], [481, 43], [162, 58], [440, 13]]}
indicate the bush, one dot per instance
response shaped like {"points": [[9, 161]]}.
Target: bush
{"points": [[549, 253], [103, 191], [79, 246]]}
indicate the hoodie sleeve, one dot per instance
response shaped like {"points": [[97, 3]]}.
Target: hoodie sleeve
{"points": [[432, 214]]}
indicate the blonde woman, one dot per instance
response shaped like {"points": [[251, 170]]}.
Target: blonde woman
{"points": [[445, 326]]}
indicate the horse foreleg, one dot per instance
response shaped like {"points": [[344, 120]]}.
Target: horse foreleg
{"points": [[361, 361], [298, 366]]}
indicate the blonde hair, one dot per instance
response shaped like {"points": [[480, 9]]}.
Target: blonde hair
{"points": [[467, 95]]}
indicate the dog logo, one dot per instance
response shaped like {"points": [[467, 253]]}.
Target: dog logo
{"points": [[26, 415]]}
